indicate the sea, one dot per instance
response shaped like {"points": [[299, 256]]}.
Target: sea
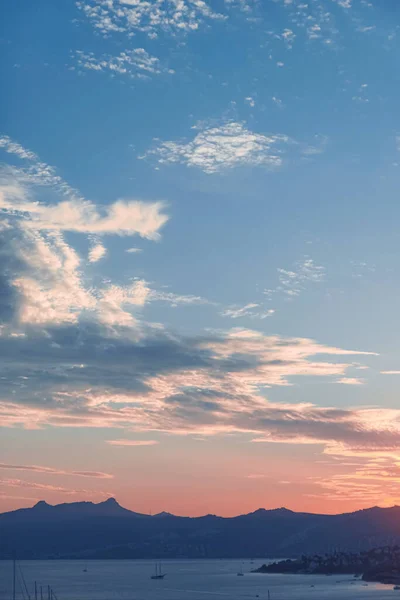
{"points": [[184, 580]]}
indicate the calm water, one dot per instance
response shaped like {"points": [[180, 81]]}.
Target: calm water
{"points": [[185, 580]]}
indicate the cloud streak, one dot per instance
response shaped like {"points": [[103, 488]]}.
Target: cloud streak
{"points": [[251, 310], [124, 442], [43, 487], [53, 471], [163, 382]]}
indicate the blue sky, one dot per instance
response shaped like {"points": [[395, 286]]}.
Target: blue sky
{"points": [[199, 205]]}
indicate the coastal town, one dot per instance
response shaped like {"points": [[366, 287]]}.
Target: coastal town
{"points": [[379, 564]]}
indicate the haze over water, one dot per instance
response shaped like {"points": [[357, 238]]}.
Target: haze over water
{"points": [[185, 580]]}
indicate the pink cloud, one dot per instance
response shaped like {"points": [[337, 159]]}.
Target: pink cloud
{"points": [[52, 471], [132, 442]]}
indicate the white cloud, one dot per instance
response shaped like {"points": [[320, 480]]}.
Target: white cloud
{"points": [[133, 63], [47, 276], [124, 217], [96, 253], [50, 287], [250, 101], [230, 145], [128, 16], [134, 250], [113, 301], [344, 3], [314, 32], [313, 21], [288, 36], [390, 372], [350, 381]]}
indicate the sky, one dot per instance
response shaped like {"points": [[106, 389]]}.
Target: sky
{"points": [[199, 255]]}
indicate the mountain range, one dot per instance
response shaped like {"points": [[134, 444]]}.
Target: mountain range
{"points": [[107, 530]]}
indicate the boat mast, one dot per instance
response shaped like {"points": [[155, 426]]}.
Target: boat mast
{"points": [[36, 598], [14, 576]]}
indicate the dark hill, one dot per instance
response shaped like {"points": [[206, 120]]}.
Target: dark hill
{"points": [[107, 530]]}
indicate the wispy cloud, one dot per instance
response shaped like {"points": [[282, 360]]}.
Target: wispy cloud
{"points": [[19, 483], [137, 63], [53, 471], [295, 281], [390, 372], [374, 478], [124, 217], [175, 299], [132, 442], [37, 172], [251, 310]]}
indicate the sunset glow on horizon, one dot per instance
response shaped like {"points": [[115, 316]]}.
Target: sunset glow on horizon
{"points": [[199, 255]]}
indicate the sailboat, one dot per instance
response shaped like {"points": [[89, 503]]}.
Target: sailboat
{"points": [[240, 573], [158, 574]]}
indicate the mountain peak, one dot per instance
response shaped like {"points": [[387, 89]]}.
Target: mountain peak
{"points": [[164, 514], [110, 502], [275, 511], [42, 504]]}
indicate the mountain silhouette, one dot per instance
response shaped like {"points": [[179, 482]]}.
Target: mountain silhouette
{"points": [[107, 530]]}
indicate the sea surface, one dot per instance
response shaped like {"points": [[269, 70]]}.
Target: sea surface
{"points": [[184, 580]]}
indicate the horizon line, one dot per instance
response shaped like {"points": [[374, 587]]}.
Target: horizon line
{"points": [[209, 514]]}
